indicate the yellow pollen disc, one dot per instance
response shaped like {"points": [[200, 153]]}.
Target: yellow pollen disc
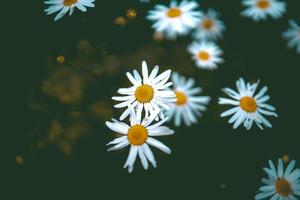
{"points": [[248, 104], [263, 4], [181, 98], [174, 12], [283, 187], [137, 135], [207, 24], [69, 2], [203, 55], [144, 93]]}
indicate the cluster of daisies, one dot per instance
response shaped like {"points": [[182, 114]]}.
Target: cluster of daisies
{"points": [[153, 100], [157, 98], [183, 18]]}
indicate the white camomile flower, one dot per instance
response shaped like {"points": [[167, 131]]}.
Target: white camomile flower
{"points": [[293, 35], [280, 184], [260, 9], [147, 94], [64, 6], [206, 54], [188, 106], [139, 135], [248, 106], [209, 27], [176, 19]]}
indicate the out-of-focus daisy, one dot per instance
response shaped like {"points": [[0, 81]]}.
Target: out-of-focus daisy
{"points": [[248, 107], [188, 106], [149, 93], [177, 19], [206, 54], [209, 27], [293, 35], [260, 9], [280, 184], [64, 6], [139, 136]]}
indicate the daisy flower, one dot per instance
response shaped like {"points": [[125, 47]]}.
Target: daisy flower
{"points": [[209, 27], [177, 19], [139, 135], [149, 93], [293, 35], [248, 108], [188, 106], [206, 54], [260, 9], [281, 184], [64, 6]]}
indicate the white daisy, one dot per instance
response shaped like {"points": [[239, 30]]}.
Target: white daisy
{"points": [[139, 136], [293, 35], [63, 6], [260, 9], [177, 19], [248, 108], [148, 93], [209, 27], [188, 107], [206, 54], [281, 184]]}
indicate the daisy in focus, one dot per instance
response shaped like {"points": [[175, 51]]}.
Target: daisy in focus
{"points": [[139, 135], [148, 93], [64, 6], [280, 184], [188, 106], [260, 9], [209, 27], [248, 106], [176, 19], [206, 54], [293, 35]]}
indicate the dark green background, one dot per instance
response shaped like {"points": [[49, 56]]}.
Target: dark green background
{"points": [[205, 155]]}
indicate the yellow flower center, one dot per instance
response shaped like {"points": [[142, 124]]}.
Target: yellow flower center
{"points": [[174, 12], [263, 4], [181, 98], [137, 135], [144, 93], [283, 187], [69, 2], [248, 104], [207, 24], [203, 55]]}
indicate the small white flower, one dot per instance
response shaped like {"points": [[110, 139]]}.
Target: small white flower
{"points": [[293, 35], [280, 184], [139, 136], [149, 93], [260, 9], [63, 6], [206, 54], [177, 19], [248, 108], [209, 27], [188, 107]]}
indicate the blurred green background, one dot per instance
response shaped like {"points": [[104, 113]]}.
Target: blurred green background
{"points": [[61, 135]]}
